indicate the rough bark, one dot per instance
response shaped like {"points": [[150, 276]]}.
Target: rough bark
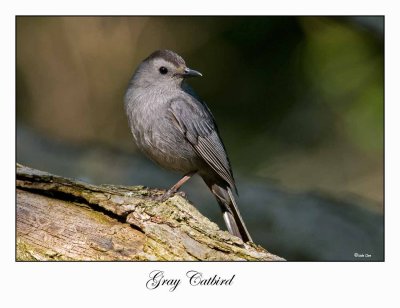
{"points": [[64, 219]]}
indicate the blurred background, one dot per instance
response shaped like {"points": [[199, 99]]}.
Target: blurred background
{"points": [[298, 102]]}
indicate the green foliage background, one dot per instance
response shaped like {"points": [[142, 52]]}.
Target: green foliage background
{"points": [[299, 100]]}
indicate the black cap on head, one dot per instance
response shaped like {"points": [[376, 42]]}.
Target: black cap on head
{"points": [[167, 55]]}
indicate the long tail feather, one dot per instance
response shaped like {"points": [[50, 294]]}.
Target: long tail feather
{"points": [[230, 211]]}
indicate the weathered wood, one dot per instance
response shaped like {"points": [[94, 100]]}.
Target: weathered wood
{"points": [[63, 219]]}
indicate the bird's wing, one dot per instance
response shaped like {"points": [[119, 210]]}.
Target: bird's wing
{"points": [[195, 121]]}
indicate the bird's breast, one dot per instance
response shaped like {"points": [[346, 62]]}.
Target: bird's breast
{"points": [[158, 137]]}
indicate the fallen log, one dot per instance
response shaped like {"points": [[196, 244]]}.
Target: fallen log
{"points": [[65, 219]]}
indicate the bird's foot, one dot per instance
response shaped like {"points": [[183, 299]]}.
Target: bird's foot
{"points": [[170, 193], [181, 193], [164, 197]]}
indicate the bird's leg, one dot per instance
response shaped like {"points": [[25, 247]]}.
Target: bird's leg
{"points": [[176, 187]]}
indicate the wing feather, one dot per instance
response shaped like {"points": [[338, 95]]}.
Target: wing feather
{"points": [[197, 124]]}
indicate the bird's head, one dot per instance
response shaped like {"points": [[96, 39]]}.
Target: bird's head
{"points": [[163, 68]]}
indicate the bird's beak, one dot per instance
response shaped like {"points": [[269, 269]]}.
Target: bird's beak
{"points": [[187, 72]]}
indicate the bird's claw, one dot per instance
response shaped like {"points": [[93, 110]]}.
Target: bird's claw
{"points": [[164, 197], [181, 193], [168, 194]]}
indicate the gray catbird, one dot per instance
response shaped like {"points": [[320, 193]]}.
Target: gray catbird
{"points": [[174, 128]]}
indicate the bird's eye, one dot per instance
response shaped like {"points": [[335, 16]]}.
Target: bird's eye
{"points": [[163, 70]]}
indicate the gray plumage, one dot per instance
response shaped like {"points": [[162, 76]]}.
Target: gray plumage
{"points": [[174, 128]]}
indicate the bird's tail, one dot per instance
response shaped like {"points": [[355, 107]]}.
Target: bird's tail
{"points": [[230, 211]]}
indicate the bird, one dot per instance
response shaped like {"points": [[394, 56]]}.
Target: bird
{"points": [[173, 127]]}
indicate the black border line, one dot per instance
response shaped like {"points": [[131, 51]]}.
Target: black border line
{"points": [[184, 261]]}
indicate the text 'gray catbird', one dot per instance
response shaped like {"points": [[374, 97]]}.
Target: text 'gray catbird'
{"points": [[174, 128]]}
